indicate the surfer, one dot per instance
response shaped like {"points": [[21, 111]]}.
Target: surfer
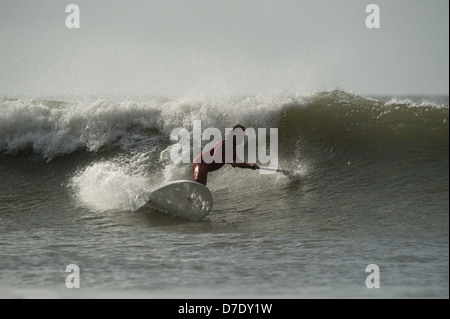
{"points": [[201, 168]]}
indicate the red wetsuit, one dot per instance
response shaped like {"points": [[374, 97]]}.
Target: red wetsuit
{"points": [[200, 168]]}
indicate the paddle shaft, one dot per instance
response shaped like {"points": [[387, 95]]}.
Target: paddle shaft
{"points": [[276, 170], [270, 169]]}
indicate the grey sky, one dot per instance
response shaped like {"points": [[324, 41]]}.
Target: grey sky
{"points": [[208, 47]]}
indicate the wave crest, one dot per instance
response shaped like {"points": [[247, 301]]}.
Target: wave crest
{"points": [[53, 128]]}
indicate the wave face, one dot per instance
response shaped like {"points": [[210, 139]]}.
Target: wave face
{"points": [[336, 119], [354, 126], [126, 142]]}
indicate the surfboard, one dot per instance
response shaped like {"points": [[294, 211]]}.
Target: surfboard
{"points": [[182, 198]]}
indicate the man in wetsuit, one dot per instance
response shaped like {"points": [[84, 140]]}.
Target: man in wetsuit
{"points": [[201, 168]]}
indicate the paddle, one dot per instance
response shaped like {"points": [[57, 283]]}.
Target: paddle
{"points": [[279, 170]]}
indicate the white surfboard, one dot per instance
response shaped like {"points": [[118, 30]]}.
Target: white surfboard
{"points": [[183, 198]]}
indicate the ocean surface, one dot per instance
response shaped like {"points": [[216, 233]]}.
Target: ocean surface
{"points": [[371, 186]]}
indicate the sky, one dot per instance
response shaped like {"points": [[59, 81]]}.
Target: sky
{"points": [[207, 47]]}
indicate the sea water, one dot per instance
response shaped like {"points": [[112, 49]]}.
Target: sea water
{"points": [[371, 188]]}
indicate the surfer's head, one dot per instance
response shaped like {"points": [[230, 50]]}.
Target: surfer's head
{"points": [[239, 125], [238, 133]]}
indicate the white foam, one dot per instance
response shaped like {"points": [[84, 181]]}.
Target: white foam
{"points": [[107, 186], [53, 128]]}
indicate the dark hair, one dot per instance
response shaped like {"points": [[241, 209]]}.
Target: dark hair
{"points": [[239, 125]]}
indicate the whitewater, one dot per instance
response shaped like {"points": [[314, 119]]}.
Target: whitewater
{"points": [[371, 187]]}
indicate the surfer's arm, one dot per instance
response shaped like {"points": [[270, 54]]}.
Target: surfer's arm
{"points": [[235, 161]]}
